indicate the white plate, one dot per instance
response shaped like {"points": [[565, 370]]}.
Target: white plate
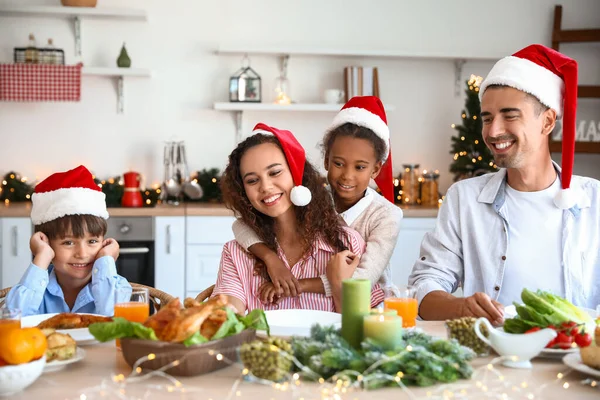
{"points": [[53, 366], [298, 322], [81, 335], [573, 360]]}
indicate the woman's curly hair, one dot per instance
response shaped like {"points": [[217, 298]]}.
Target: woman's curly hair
{"points": [[317, 219]]}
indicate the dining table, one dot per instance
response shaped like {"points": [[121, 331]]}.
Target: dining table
{"points": [[104, 374]]}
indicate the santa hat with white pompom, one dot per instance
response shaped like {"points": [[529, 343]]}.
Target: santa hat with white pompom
{"points": [[551, 77], [296, 158]]}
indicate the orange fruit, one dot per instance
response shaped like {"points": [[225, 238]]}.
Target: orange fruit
{"points": [[3, 363], [16, 347], [38, 340]]}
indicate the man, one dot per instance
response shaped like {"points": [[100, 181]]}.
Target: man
{"points": [[530, 225]]}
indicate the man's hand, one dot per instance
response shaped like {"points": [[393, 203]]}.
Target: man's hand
{"points": [[268, 294], [341, 266], [110, 247], [285, 283], [41, 250], [481, 305]]}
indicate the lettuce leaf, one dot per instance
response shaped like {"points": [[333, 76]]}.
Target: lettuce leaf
{"points": [[230, 327], [196, 338], [120, 328], [542, 309], [256, 319]]}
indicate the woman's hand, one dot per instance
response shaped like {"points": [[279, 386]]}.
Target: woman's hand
{"points": [[41, 250], [285, 283], [268, 294], [341, 266]]}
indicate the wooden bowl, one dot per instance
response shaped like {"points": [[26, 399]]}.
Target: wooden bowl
{"points": [[194, 360], [79, 3]]}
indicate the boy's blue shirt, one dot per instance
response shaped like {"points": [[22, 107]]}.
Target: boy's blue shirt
{"points": [[38, 292]]}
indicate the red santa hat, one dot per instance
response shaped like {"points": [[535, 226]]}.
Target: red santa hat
{"points": [[67, 193], [368, 112], [551, 77], [296, 158]]}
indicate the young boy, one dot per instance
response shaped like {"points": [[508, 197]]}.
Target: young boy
{"points": [[73, 268]]}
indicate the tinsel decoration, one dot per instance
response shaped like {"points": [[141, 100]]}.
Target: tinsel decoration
{"points": [[15, 188]]}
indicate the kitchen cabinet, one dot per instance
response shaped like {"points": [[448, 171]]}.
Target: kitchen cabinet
{"points": [[412, 231], [15, 255], [205, 238], [169, 255]]}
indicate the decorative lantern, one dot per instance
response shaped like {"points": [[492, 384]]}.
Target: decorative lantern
{"points": [[245, 85]]}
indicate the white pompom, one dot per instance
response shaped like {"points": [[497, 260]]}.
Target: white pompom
{"points": [[300, 196], [565, 199]]}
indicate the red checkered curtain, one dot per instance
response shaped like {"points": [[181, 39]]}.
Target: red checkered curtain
{"points": [[39, 82]]}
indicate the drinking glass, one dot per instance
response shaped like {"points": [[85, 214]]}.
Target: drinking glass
{"points": [[405, 305], [137, 309], [10, 318]]}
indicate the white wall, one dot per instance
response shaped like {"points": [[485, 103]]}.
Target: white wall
{"points": [[178, 44]]}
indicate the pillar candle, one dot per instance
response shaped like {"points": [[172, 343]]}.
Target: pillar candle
{"points": [[356, 303], [384, 329], [383, 311]]}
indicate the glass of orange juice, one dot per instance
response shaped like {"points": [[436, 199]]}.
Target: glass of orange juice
{"points": [[10, 318], [137, 309], [405, 305]]}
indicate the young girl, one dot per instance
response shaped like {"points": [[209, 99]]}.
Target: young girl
{"points": [[356, 150], [272, 188], [73, 269]]}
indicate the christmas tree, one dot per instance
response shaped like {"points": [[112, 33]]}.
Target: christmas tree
{"points": [[15, 188], [471, 155]]}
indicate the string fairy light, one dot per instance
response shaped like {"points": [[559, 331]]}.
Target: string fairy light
{"points": [[487, 381]]}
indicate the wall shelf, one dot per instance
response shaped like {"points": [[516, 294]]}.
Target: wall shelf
{"points": [[116, 72], [76, 14], [72, 12], [119, 74], [459, 60], [276, 51], [240, 108]]}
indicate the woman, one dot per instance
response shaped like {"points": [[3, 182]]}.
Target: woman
{"points": [[272, 188]]}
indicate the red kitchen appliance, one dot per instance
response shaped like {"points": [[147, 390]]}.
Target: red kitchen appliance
{"points": [[132, 197]]}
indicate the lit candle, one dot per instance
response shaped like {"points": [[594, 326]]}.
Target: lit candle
{"points": [[356, 303], [384, 329], [383, 311]]}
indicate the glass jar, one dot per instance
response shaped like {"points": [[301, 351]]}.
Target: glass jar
{"points": [[410, 184], [429, 188]]}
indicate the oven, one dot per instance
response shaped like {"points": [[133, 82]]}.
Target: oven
{"points": [[136, 241]]}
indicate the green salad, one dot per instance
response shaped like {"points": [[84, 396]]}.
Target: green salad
{"points": [[543, 309], [120, 328]]}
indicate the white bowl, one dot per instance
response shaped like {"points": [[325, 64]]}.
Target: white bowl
{"points": [[14, 378]]}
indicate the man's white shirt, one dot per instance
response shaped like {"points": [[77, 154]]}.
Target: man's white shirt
{"points": [[534, 243]]}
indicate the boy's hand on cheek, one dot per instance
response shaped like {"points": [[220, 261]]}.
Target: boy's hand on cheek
{"points": [[110, 247], [42, 252]]}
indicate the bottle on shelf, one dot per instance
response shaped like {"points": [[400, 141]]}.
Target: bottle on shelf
{"points": [[31, 52], [49, 53]]}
